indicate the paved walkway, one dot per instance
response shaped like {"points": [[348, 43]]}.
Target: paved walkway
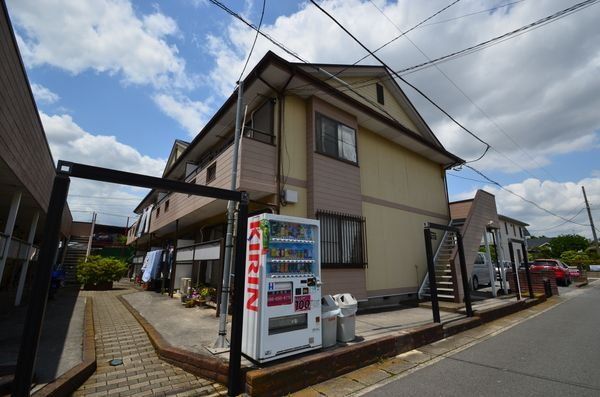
{"points": [[143, 373]]}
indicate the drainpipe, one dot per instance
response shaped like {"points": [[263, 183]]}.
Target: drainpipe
{"points": [[221, 341], [23, 275], [9, 228]]}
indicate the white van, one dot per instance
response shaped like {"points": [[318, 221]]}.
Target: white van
{"points": [[481, 272]]}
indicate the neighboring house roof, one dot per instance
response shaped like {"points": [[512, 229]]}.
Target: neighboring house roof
{"points": [[178, 148], [537, 242], [512, 220], [274, 75]]}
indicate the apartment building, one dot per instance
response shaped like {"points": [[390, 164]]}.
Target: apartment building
{"points": [[512, 229], [360, 159], [26, 172]]}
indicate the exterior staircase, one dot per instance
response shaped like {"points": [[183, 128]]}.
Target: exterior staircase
{"points": [[444, 277], [76, 249]]}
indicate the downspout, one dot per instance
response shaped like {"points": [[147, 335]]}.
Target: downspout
{"points": [[281, 101]]}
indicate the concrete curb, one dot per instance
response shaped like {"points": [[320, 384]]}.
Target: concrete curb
{"points": [[71, 380], [194, 363]]}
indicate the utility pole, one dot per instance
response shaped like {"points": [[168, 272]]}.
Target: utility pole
{"points": [[224, 303], [587, 205]]}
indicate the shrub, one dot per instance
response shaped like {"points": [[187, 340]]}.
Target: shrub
{"points": [[98, 270]]}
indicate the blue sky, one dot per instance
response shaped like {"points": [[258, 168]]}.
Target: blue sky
{"points": [[142, 74]]}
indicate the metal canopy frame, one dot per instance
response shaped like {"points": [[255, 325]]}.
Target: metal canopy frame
{"points": [[514, 266], [435, 306], [41, 285]]}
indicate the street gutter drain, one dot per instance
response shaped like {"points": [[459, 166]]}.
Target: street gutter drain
{"points": [[115, 362]]}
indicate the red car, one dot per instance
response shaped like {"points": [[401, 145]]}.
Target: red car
{"points": [[561, 271]]}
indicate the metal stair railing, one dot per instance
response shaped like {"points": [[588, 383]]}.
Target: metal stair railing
{"points": [[425, 282]]}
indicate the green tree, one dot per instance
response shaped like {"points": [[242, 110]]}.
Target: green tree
{"points": [[573, 257], [568, 242]]}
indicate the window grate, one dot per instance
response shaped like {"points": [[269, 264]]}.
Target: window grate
{"points": [[343, 240]]}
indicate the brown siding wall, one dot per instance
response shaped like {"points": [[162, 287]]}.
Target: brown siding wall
{"points": [[460, 210], [23, 146], [258, 167], [333, 185]]}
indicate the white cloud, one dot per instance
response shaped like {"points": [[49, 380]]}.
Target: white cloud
{"points": [[68, 141], [540, 88], [105, 36], [191, 115], [562, 198], [43, 94]]}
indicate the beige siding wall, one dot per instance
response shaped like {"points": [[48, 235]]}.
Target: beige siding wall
{"points": [[396, 249], [370, 92], [293, 139], [392, 173], [401, 191]]}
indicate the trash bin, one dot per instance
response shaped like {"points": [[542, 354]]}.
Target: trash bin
{"points": [[185, 285], [329, 315], [346, 324]]}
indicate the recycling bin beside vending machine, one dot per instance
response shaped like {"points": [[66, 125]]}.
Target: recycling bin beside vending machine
{"points": [[282, 300]]}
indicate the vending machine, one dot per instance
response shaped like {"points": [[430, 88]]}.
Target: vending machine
{"points": [[282, 300]]}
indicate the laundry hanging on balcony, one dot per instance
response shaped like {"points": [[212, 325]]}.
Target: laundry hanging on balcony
{"points": [[143, 225], [151, 265]]}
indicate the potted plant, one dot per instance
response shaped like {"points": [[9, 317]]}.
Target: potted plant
{"points": [[99, 273], [208, 293]]}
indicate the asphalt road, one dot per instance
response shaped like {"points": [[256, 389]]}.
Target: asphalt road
{"points": [[554, 354]]}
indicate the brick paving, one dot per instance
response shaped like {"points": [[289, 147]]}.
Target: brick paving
{"points": [[143, 373]]}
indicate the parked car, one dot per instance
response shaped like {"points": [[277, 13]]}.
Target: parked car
{"points": [[561, 271], [481, 272], [574, 272], [507, 265]]}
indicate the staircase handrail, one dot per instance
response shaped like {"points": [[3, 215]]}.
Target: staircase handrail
{"points": [[425, 282]]}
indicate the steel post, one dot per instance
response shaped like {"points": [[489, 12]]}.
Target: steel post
{"points": [[435, 306], [463, 275], [514, 268], [234, 381], [527, 272], [41, 285]]}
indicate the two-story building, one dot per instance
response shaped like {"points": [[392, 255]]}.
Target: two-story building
{"points": [[26, 173], [361, 159]]}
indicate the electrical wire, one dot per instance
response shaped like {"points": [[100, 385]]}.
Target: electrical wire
{"points": [[262, 14], [560, 224], [472, 13], [402, 33], [298, 57], [487, 145], [493, 41], [493, 122], [493, 182]]}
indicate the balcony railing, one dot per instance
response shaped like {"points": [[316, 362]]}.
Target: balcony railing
{"points": [[18, 249]]}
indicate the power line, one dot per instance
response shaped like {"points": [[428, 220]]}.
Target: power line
{"points": [[470, 100], [487, 43], [403, 33], [298, 57], [560, 224], [501, 38], [523, 198], [473, 13], [464, 177], [262, 14], [487, 145]]}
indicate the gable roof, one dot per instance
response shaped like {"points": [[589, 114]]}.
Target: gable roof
{"points": [[178, 146]]}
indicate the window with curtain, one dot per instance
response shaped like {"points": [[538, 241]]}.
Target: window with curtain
{"points": [[335, 139]]}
